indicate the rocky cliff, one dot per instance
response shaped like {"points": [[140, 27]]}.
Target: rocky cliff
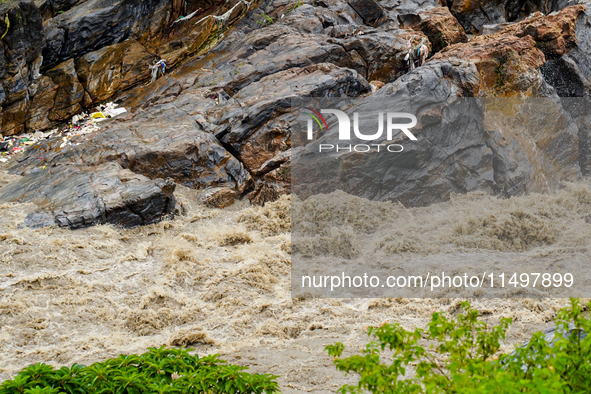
{"points": [[61, 56], [220, 116]]}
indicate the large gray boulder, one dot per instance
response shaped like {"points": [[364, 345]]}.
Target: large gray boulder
{"points": [[123, 174], [80, 196], [255, 123], [464, 143], [262, 114], [442, 162], [163, 142]]}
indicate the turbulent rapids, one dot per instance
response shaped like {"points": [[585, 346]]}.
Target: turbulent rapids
{"points": [[219, 280]]}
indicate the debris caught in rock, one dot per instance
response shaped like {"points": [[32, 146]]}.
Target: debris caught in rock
{"points": [[417, 54], [158, 69], [79, 124], [186, 18], [223, 19]]}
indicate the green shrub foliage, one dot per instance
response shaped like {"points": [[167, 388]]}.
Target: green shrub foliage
{"points": [[461, 355], [160, 370]]}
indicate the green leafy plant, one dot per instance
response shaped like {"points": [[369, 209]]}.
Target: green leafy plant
{"points": [[461, 355], [294, 6], [160, 370], [265, 20]]}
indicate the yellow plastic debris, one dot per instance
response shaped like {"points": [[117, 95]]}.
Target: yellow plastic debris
{"points": [[7, 21], [96, 115]]}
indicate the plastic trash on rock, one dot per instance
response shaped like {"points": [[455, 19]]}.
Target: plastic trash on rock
{"points": [[110, 110], [79, 124], [116, 111]]}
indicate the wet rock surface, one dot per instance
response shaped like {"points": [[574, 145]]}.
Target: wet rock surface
{"points": [[508, 64], [81, 196], [94, 24], [507, 146], [219, 197], [514, 60], [422, 173], [126, 64], [258, 128], [441, 27], [568, 66], [111, 45], [473, 15], [220, 117], [146, 144], [369, 10], [19, 54]]}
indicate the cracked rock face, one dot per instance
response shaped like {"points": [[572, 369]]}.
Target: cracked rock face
{"points": [[259, 127], [514, 61], [444, 162], [19, 54], [508, 64], [441, 27], [474, 15], [124, 174], [94, 24], [568, 65], [163, 142], [102, 47], [495, 145], [110, 69]]}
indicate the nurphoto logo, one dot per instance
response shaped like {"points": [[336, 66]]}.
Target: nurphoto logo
{"points": [[344, 130]]}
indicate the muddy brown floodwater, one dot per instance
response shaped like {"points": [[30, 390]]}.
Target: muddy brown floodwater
{"points": [[218, 281]]}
